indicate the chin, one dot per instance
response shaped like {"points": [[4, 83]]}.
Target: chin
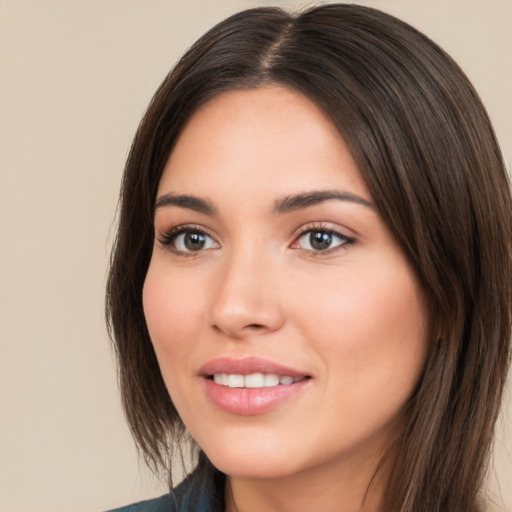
{"points": [[253, 469], [247, 460]]}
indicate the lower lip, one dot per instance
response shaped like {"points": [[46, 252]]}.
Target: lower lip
{"points": [[250, 401]]}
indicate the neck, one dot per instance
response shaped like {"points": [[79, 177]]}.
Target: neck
{"points": [[317, 489]]}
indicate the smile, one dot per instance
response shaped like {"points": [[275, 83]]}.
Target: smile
{"points": [[254, 380], [252, 385]]}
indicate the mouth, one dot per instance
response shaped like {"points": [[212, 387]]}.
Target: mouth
{"points": [[254, 380], [251, 385]]}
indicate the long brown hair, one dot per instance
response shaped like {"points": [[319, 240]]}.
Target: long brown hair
{"points": [[428, 153]]}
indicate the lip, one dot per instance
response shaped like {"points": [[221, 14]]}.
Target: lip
{"points": [[244, 401], [248, 365]]}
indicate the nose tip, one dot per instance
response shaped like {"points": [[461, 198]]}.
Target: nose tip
{"points": [[244, 319], [244, 304]]}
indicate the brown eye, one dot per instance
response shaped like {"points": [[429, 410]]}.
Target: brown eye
{"points": [[321, 240], [194, 241], [188, 241]]}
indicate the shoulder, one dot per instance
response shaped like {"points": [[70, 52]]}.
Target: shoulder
{"points": [[194, 494], [162, 504]]}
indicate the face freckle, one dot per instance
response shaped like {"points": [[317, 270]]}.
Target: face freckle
{"points": [[345, 318]]}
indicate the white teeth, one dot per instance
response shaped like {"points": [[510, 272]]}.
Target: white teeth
{"points": [[253, 380], [271, 379], [235, 381], [221, 378]]}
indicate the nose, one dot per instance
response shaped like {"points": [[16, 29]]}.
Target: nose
{"points": [[245, 299]]}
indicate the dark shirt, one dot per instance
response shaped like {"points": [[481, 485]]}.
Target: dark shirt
{"points": [[194, 494]]}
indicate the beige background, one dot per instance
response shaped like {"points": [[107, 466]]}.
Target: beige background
{"points": [[75, 77]]}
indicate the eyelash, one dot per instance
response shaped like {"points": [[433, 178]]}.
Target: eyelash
{"points": [[322, 228], [169, 237]]}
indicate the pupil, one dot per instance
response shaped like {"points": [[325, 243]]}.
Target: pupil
{"points": [[320, 240], [194, 241]]}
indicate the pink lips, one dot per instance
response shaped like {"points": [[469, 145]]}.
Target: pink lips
{"points": [[246, 401]]}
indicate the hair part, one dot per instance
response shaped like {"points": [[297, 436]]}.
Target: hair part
{"points": [[427, 151]]}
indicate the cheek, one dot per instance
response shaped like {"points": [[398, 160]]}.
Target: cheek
{"points": [[174, 316], [372, 303], [370, 330]]}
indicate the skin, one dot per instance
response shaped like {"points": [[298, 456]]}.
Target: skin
{"points": [[352, 318]]}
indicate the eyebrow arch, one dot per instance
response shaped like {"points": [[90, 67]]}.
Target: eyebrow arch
{"points": [[307, 199], [185, 201]]}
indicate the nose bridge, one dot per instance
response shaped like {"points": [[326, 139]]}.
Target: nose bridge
{"points": [[244, 300]]}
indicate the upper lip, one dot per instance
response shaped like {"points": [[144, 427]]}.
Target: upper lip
{"points": [[248, 365]]}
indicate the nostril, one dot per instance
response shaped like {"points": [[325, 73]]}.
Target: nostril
{"points": [[256, 327]]}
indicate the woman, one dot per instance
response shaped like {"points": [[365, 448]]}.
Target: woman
{"points": [[311, 279]]}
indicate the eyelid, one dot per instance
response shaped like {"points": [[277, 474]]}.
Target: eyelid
{"points": [[327, 228], [167, 236]]}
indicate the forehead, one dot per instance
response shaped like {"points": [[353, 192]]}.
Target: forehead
{"points": [[266, 138]]}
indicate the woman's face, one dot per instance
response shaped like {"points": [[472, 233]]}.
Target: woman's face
{"points": [[287, 322]]}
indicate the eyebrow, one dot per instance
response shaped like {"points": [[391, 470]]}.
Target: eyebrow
{"points": [[185, 201], [285, 205], [307, 199]]}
